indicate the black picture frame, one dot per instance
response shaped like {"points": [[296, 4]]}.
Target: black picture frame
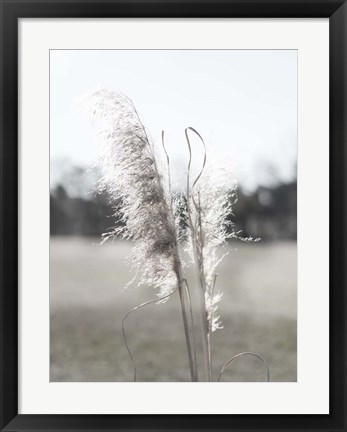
{"points": [[11, 11]]}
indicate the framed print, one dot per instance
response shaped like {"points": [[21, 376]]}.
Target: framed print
{"points": [[173, 206]]}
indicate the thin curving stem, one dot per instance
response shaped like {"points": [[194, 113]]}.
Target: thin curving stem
{"points": [[133, 310], [243, 354], [190, 155], [167, 160], [203, 312]]}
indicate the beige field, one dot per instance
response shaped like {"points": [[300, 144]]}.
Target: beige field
{"points": [[88, 302]]}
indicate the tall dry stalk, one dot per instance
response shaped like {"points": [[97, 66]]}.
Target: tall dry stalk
{"points": [[131, 174], [151, 216], [211, 196]]}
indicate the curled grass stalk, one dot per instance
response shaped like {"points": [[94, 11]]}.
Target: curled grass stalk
{"points": [[187, 319], [197, 251], [241, 355], [140, 306]]}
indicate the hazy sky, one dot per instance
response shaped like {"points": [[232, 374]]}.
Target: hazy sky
{"points": [[243, 102]]}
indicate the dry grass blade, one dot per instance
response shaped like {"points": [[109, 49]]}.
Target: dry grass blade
{"points": [[241, 355], [197, 251], [191, 329], [190, 155], [166, 297]]}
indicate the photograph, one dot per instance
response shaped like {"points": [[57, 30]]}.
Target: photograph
{"points": [[173, 215]]}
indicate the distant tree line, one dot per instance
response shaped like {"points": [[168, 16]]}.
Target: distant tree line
{"points": [[268, 212]]}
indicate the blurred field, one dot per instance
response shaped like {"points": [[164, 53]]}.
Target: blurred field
{"points": [[88, 302]]}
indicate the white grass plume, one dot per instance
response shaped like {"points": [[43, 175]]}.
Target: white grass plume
{"points": [[131, 175], [211, 203]]}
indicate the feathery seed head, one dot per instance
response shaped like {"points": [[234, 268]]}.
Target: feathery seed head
{"points": [[131, 173], [211, 203]]}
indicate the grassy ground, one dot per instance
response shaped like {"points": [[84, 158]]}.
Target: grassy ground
{"points": [[88, 303]]}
